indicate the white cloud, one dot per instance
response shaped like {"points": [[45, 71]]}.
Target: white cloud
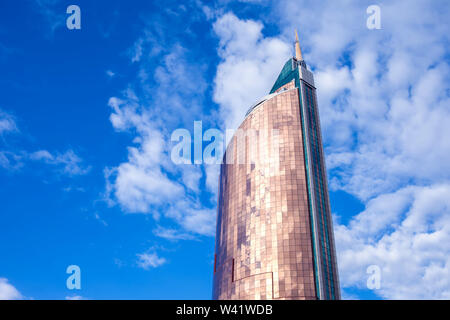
{"points": [[7, 123], [99, 219], [73, 188], [172, 234], [69, 162], [75, 297], [141, 182], [8, 291], [148, 182], [41, 155], [250, 65], [150, 260], [10, 160], [193, 217], [212, 178], [191, 176], [137, 188], [143, 185], [406, 234], [253, 1], [110, 73], [136, 51]]}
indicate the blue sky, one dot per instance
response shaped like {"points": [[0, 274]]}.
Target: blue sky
{"points": [[86, 118]]}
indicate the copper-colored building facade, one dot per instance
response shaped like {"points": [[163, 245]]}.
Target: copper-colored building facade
{"points": [[274, 237]]}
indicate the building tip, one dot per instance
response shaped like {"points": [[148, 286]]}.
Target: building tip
{"points": [[298, 50]]}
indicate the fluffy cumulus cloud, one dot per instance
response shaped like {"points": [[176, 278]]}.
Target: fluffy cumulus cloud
{"points": [[384, 102], [406, 234], [149, 182], [169, 83], [142, 182], [250, 65], [149, 260], [7, 123], [8, 291]]}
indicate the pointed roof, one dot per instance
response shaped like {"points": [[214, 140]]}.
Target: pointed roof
{"points": [[298, 50], [290, 69]]}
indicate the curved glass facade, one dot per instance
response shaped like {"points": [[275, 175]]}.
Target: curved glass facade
{"points": [[274, 237]]}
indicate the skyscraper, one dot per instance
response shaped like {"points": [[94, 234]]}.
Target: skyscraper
{"points": [[274, 237]]}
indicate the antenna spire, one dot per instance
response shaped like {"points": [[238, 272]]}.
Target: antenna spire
{"points": [[298, 50]]}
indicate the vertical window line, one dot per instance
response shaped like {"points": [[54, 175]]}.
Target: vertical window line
{"points": [[232, 270], [215, 263]]}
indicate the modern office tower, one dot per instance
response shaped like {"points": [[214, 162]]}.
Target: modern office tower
{"points": [[274, 237]]}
